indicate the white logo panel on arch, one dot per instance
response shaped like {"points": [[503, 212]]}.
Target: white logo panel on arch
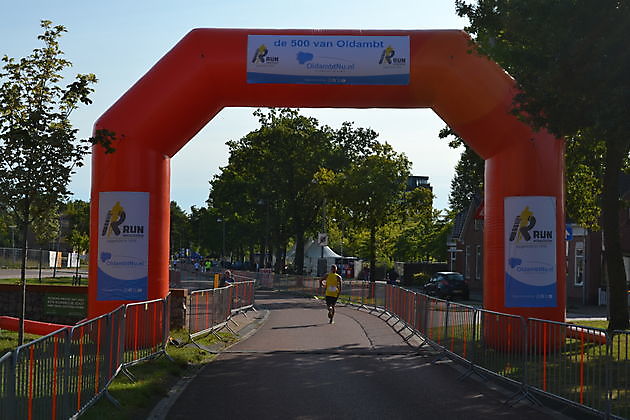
{"points": [[328, 59], [530, 251], [123, 245]]}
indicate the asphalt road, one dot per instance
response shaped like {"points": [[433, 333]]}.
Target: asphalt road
{"points": [[297, 366]]}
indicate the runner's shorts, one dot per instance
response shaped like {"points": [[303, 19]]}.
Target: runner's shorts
{"points": [[331, 300]]}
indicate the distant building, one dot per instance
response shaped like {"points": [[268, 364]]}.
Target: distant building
{"points": [[417, 181], [465, 245], [585, 267]]}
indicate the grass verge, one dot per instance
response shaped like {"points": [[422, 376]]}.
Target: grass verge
{"points": [[9, 340], [154, 379], [46, 281]]}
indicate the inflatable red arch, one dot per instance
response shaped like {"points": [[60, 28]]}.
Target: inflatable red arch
{"points": [[210, 69]]}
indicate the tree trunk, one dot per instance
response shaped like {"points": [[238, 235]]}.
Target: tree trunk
{"points": [[278, 268], [263, 252], [252, 258], [617, 286], [24, 226]]}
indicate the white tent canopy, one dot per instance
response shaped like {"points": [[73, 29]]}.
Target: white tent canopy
{"points": [[313, 252]]}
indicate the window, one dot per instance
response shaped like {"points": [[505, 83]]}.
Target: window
{"points": [[467, 262], [579, 264], [478, 263]]}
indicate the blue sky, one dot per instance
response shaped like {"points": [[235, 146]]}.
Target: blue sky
{"points": [[120, 40]]}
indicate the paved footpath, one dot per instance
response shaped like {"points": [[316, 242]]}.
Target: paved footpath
{"points": [[298, 366]]}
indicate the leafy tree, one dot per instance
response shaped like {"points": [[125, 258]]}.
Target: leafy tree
{"points": [[421, 227], [180, 228], [47, 227], [301, 147], [573, 80], [468, 180], [38, 144], [240, 198], [5, 232], [78, 214], [370, 189], [80, 241], [271, 171]]}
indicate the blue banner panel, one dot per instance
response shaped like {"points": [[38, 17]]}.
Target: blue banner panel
{"points": [[123, 245], [530, 252]]}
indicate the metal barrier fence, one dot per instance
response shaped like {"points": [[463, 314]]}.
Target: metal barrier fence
{"points": [[211, 309], [40, 258], [582, 366], [6, 385], [242, 295], [208, 309], [146, 329], [12, 257], [62, 374]]}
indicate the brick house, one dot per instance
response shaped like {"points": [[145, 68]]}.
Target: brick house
{"points": [[466, 245], [586, 276]]}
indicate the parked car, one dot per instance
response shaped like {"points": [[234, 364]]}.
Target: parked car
{"points": [[447, 285]]}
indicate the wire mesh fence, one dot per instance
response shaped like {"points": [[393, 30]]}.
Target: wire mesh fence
{"points": [[41, 258], [61, 374], [209, 309], [581, 366], [619, 373]]}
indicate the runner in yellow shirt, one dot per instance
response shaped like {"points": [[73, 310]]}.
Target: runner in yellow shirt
{"points": [[332, 281]]}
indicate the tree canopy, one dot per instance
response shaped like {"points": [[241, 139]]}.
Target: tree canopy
{"points": [[571, 65], [292, 178], [38, 144]]}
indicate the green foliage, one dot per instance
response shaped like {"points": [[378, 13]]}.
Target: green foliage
{"points": [[37, 141], [289, 178], [573, 81], [80, 241], [572, 73], [421, 227], [38, 145], [46, 226], [468, 180], [420, 279], [78, 214], [370, 189], [269, 179], [584, 174], [180, 228]]}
